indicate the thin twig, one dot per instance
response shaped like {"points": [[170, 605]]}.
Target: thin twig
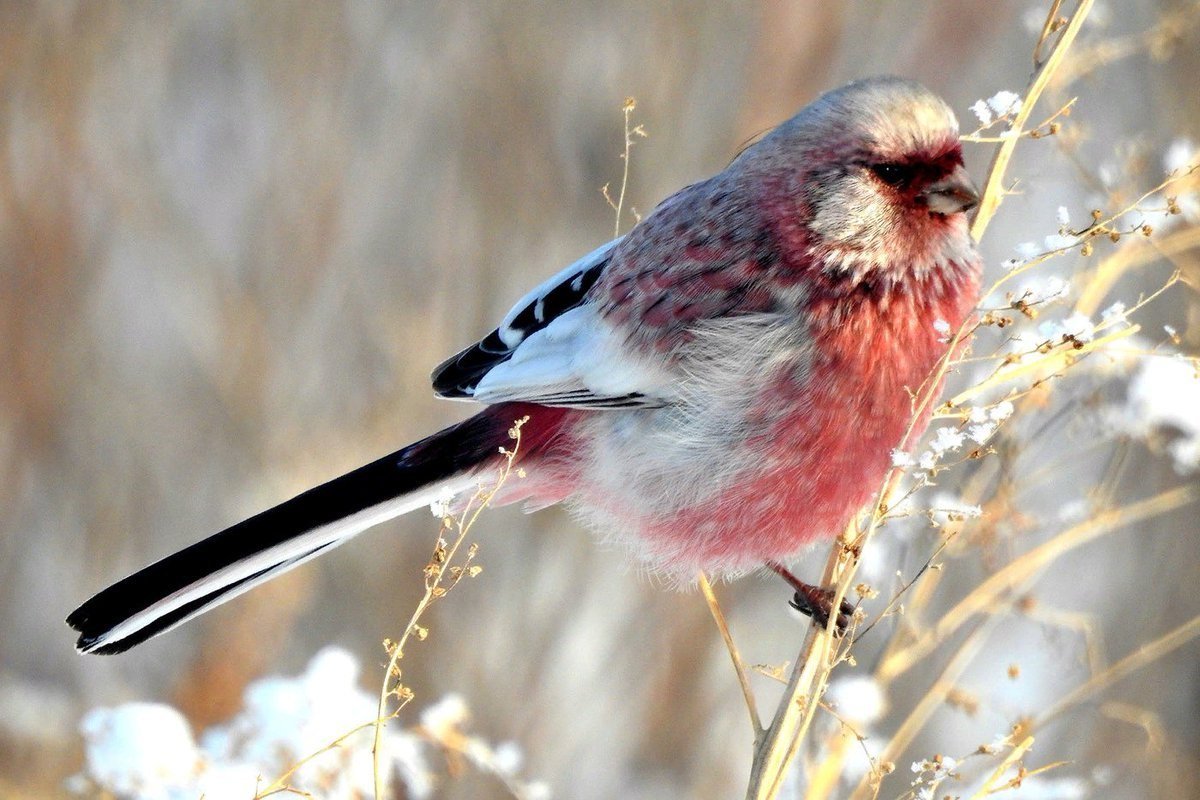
{"points": [[280, 783], [437, 569], [933, 698], [1053, 361], [1129, 258], [1013, 757], [993, 190], [779, 743], [986, 593], [1048, 27], [1146, 654], [618, 205], [1024, 775], [739, 665], [782, 739]]}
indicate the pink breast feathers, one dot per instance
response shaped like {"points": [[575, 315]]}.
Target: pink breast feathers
{"points": [[826, 446]]}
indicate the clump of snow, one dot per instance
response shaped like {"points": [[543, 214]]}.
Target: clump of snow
{"points": [[1110, 173], [142, 750], [1001, 411], [1004, 103], [1028, 251], [444, 716], [508, 758], [983, 112], [1000, 742], [1113, 314], [996, 107], [1073, 511], [946, 508], [1165, 393], [1181, 154], [1078, 327], [1044, 289], [286, 719], [147, 751], [858, 699], [930, 773], [982, 423], [441, 505], [1060, 241], [980, 432], [946, 439], [942, 766]]}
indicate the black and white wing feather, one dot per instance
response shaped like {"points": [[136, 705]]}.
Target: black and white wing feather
{"points": [[552, 348]]}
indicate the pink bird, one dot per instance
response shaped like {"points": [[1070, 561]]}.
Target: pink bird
{"points": [[716, 389]]}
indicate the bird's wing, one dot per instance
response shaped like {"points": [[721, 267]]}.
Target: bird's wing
{"points": [[606, 332], [554, 349]]}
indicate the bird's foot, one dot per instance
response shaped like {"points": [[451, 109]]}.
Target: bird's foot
{"points": [[816, 602]]}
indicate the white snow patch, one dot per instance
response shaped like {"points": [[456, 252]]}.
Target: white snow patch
{"points": [[1005, 102], [1165, 392], [858, 699]]}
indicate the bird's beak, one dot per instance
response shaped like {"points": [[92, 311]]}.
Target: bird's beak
{"points": [[952, 194]]}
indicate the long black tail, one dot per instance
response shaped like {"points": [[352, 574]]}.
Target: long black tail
{"points": [[219, 568]]}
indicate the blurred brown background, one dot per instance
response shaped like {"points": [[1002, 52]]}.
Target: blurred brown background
{"points": [[236, 237]]}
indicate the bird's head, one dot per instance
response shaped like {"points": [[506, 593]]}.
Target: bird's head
{"points": [[877, 169]]}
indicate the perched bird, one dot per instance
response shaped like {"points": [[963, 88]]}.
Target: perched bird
{"points": [[716, 389]]}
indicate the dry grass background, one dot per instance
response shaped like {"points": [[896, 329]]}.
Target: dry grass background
{"points": [[234, 239]]}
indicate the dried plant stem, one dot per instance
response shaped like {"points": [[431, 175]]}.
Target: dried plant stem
{"points": [[1171, 23], [1123, 261], [628, 109], [388, 690], [987, 593], [1051, 362], [1104, 226], [781, 741], [923, 592], [1012, 758], [777, 747], [993, 190], [932, 699], [618, 205], [435, 588], [1047, 29], [1146, 654], [740, 666], [1033, 132], [280, 783], [1157, 736], [1079, 622], [899, 658], [824, 778]]}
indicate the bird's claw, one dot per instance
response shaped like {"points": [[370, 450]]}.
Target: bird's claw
{"points": [[817, 603]]}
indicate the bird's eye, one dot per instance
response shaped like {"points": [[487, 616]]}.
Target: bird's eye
{"points": [[892, 174]]}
